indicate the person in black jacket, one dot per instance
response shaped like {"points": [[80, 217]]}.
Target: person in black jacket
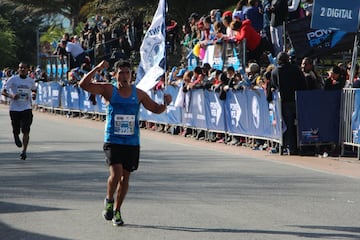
{"points": [[288, 78]]}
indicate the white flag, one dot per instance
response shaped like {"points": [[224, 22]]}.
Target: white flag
{"points": [[152, 52]]}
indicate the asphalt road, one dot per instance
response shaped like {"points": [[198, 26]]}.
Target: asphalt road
{"points": [[182, 190]]}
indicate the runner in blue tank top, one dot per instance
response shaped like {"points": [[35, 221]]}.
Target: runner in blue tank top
{"points": [[122, 139]]}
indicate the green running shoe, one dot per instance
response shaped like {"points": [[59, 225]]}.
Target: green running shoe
{"points": [[108, 212], [117, 220]]}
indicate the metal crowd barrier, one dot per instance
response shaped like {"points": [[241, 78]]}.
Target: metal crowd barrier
{"points": [[243, 113], [349, 123]]}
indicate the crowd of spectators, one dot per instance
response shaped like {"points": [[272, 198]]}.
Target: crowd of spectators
{"points": [[261, 24]]}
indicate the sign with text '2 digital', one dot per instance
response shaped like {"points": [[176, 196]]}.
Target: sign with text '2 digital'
{"points": [[341, 15]]}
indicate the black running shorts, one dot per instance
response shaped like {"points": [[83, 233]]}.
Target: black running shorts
{"points": [[126, 155], [21, 120]]}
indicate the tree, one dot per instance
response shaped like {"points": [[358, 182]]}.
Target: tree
{"points": [[7, 43], [75, 11]]}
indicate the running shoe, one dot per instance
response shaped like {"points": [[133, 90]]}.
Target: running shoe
{"points": [[108, 212], [17, 141], [117, 220], [23, 156]]}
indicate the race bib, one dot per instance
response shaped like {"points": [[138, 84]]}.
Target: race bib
{"points": [[124, 124], [23, 94]]}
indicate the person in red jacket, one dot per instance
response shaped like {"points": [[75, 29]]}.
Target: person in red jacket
{"points": [[254, 43]]}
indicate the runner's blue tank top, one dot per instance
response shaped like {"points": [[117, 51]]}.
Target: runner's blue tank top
{"points": [[122, 120]]}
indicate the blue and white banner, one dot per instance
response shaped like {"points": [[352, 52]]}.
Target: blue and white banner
{"points": [[309, 42], [152, 52], [214, 109], [355, 118], [245, 113], [337, 15]]}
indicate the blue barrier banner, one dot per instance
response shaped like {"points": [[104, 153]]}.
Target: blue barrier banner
{"points": [[258, 114], [355, 118], [174, 114], [318, 115], [235, 108], [40, 95], [43, 92], [70, 98], [187, 117], [85, 104], [146, 115], [100, 104], [243, 112], [55, 93], [159, 98], [48, 94], [197, 108], [214, 110], [336, 15]]}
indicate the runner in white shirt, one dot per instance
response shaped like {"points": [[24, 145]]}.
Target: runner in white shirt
{"points": [[21, 90]]}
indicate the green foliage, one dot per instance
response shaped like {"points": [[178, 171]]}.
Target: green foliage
{"points": [[54, 33], [7, 44]]}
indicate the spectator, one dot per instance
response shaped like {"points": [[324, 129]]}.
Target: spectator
{"points": [[171, 34], [240, 9], [193, 20], [207, 81], [232, 79], [266, 21], [279, 11], [77, 53], [295, 10], [336, 79], [188, 76], [255, 14], [7, 73], [312, 78], [244, 30], [226, 20], [253, 72], [220, 32], [76, 40], [60, 51], [288, 79], [197, 78], [215, 15], [356, 80], [307, 6], [99, 48], [178, 78], [186, 42]]}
